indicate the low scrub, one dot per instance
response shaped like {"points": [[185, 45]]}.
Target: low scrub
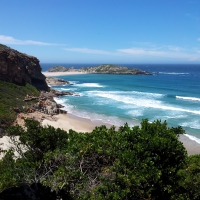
{"points": [[12, 97], [147, 162]]}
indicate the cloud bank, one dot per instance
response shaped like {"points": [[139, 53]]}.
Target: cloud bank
{"points": [[10, 40]]}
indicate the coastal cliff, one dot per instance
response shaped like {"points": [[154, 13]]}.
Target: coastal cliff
{"points": [[24, 90], [19, 68]]}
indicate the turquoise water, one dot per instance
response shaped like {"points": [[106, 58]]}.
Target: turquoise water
{"points": [[171, 94]]}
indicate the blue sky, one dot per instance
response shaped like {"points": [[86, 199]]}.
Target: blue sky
{"points": [[103, 31]]}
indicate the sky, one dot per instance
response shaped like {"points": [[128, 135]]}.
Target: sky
{"points": [[103, 31]]}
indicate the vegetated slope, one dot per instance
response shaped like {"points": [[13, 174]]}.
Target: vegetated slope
{"points": [[12, 100], [60, 69], [20, 75], [114, 69], [139, 163]]}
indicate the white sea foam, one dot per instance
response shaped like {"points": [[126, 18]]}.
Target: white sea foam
{"points": [[89, 85], [60, 100], [193, 138], [173, 73], [140, 101], [188, 98], [192, 124], [73, 82], [65, 89], [135, 113], [176, 116]]}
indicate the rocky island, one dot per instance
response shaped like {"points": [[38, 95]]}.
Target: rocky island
{"points": [[114, 69], [61, 69], [102, 69]]}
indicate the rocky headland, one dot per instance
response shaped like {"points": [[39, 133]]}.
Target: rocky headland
{"points": [[102, 69], [25, 91], [61, 69]]}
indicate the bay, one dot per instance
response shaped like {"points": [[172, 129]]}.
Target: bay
{"points": [[171, 94]]}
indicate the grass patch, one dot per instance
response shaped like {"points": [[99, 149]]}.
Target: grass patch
{"points": [[12, 96]]}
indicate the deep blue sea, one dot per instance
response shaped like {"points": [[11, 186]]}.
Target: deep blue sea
{"points": [[171, 94]]}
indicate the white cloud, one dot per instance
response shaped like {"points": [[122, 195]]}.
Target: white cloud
{"points": [[174, 53], [88, 51], [174, 48], [140, 51], [198, 39], [10, 40]]}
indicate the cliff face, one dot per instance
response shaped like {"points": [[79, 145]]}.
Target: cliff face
{"points": [[20, 68]]}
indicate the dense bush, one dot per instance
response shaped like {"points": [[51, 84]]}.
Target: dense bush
{"points": [[147, 162]]}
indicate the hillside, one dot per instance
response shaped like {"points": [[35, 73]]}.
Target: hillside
{"points": [[12, 100], [102, 69], [20, 74], [114, 69]]}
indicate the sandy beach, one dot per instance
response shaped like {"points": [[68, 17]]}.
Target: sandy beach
{"points": [[69, 121], [49, 74]]}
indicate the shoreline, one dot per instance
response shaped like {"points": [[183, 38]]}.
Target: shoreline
{"points": [[191, 146], [49, 74]]}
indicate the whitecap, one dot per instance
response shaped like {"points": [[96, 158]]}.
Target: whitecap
{"points": [[192, 124], [188, 98], [140, 101], [173, 73], [89, 85]]}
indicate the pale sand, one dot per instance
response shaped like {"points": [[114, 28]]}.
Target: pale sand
{"points": [[191, 146], [49, 74], [6, 144], [69, 121]]}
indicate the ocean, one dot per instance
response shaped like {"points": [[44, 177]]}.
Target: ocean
{"points": [[171, 94]]}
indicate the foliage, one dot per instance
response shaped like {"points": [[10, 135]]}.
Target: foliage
{"points": [[2, 46], [146, 162], [190, 178], [12, 96]]}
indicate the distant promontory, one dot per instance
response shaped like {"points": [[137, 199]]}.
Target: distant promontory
{"points": [[102, 69]]}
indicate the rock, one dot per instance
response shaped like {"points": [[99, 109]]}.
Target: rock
{"points": [[17, 110], [56, 81], [20, 68], [60, 69]]}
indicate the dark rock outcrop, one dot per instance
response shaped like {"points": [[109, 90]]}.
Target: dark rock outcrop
{"points": [[56, 81], [20, 68]]}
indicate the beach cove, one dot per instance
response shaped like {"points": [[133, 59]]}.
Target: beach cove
{"points": [[85, 124]]}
